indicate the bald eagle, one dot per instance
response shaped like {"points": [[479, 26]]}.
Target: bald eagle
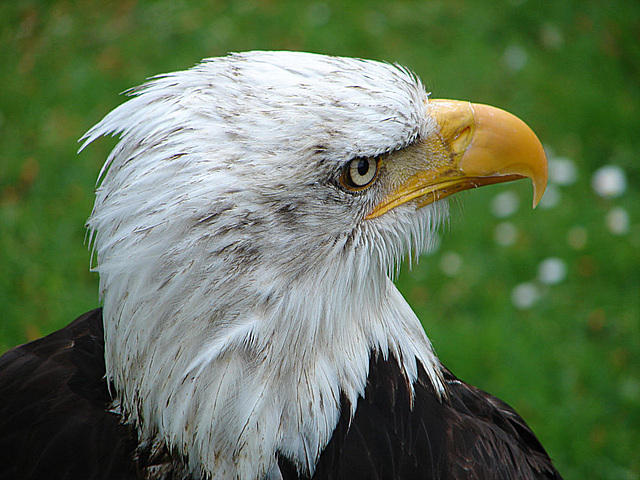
{"points": [[245, 227]]}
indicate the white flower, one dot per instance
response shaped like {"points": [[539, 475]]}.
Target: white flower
{"points": [[609, 181], [515, 58], [505, 234], [552, 271], [562, 171], [525, 295], [618, 221], [505, 204], [451, 264]]}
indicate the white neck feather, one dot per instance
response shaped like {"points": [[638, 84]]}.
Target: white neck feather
{"points": [[232, 384]]}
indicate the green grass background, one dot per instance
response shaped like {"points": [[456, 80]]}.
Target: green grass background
{"points": [[570, 363]]}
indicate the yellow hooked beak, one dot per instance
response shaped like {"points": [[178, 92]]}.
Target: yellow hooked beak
{"points": [[475, 145]]}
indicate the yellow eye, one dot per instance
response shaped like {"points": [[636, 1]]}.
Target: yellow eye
{"points": [[360, 173]]}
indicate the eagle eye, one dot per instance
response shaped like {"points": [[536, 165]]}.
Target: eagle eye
{"points": [[360, 173]]}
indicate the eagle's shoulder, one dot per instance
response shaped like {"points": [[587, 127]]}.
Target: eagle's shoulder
{"points": [[54, 409], [489, 439], [466, 434], [393, 434]]}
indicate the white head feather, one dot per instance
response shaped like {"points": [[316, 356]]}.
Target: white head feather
{"points": [[243, 289]]}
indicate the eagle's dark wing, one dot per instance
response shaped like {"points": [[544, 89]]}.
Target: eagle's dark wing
{"points": [[55, 423], [54, 400], [469, 435], [488, 439]]}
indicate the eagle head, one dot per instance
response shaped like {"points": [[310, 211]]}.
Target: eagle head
{"points": [[246, 225]]}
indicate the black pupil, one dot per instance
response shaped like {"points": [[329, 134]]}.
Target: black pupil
{"points": [[363, 167]]}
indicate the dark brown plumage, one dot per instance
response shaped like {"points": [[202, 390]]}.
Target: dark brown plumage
{"points": [[55, 423]]}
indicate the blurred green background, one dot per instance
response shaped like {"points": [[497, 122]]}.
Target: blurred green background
{"points": [[541, 308]]}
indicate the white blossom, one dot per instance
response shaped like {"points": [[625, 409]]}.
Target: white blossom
{"points": [[609, 181], [552, 271], [525, 295]]}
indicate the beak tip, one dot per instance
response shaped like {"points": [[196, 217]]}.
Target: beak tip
{"points": [[539, 178], [537, 196]]}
